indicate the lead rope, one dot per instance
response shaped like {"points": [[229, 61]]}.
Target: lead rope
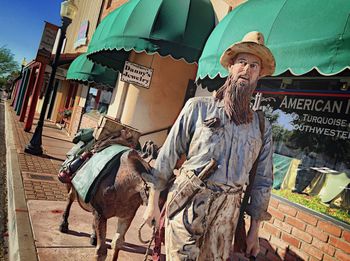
{"points": [[149, 242]]}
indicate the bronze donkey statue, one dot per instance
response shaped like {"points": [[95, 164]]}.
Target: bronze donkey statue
{"points": [[116, 196]]}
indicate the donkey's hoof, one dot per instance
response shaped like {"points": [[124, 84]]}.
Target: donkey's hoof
{"points": [[93, 240], [63, 228]]}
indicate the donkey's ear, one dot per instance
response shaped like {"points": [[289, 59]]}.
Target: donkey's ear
{"points": [[137, 164], [144, 147]]}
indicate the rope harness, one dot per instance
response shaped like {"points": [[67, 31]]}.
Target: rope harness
{"points": [[149, 242]]}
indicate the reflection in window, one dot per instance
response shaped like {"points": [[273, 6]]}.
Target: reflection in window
{"points": [[98, 100], [105, 100], [311, 135]]}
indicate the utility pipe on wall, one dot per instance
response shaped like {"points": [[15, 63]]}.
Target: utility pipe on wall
{"points": [[122, 101]]}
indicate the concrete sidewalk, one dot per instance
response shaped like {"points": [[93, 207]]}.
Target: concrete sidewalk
{"points": [[37, 201]]}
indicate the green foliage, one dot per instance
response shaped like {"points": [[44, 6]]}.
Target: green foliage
{"points": [[314, 203], [280, 134], [65, 112], [6, 81], [7, 62], [271, 115]]}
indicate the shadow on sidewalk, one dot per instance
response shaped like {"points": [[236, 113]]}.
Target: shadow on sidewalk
{"points": [[47, 136], [132, 248], [45, 156], [46, 125], [128, 247], [268, 253], [77, 234]]}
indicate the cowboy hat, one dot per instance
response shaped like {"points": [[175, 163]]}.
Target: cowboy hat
{"points": [[253, 43]]}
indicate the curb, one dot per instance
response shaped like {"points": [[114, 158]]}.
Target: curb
{"points": [[21, 240]]}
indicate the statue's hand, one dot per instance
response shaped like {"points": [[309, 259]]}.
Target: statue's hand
{"points": [[152, 215], [253, 246]]}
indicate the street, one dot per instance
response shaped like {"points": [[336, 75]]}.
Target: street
{"points": [[3, 189]]}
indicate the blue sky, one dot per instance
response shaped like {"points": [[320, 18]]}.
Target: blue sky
{"points": [[22, 23], [285, 120]]}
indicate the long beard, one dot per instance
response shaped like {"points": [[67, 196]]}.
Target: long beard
{"points": [[236, 97]]}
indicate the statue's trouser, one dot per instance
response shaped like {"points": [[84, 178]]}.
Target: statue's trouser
{"points": [[204, 229]]}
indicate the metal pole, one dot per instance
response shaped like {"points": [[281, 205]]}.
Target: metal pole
{"points": [[34, 146]]}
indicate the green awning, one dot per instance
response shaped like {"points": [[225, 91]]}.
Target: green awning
{"points": [[281, 165], [176, 28], [302, 35], [84, 71]]}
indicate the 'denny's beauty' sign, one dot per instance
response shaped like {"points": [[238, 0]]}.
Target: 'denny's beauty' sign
{"points": [[137, 74]]}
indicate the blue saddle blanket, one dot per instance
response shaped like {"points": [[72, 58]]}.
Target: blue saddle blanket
{"points": [[100, 164]]}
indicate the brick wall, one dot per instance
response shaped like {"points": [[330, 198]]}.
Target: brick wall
{"points": [[297, 233]]}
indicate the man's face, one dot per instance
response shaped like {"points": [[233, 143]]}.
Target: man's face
{"points": [[246, 67]]}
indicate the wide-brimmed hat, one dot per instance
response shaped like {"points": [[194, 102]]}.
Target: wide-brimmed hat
{"points": [[253, 43]]}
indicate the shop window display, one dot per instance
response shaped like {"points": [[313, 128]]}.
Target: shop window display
{"points": [[98, 101], [311, 130], [105, 100]]}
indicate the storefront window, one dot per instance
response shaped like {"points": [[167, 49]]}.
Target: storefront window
{"points": [[311, 131], [98, 100]]}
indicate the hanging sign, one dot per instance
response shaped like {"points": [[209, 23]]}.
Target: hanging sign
{"points": [[82, 34], [137, 74], [47, 42]]}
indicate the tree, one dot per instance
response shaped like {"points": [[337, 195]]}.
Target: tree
{"points": [[7, 81], [8, 68], [7, 62]]}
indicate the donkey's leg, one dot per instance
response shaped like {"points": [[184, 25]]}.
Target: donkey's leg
{"points": [[123, 225], [101, 227], [93, 238], [71, 197]]}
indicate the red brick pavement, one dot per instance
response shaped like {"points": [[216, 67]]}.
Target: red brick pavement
{"points": [[42, 187], [40, 172]]}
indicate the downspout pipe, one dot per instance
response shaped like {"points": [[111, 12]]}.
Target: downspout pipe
{"points": [[122, 101]]}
